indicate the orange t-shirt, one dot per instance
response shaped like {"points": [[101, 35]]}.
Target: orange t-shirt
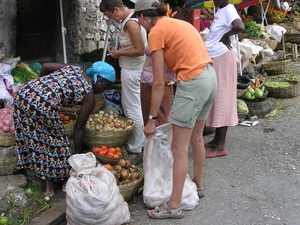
{"points": [[184, 50]]}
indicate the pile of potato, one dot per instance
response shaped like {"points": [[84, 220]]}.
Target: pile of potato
{"points": [[124, 172], [108, 121]]}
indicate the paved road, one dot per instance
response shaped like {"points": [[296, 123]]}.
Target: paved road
{"points": [[256, 183]]}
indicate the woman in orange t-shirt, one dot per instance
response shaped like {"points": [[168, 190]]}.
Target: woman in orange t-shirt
{"points": [[179, 45]]}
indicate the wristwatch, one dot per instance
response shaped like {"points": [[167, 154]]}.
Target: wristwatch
{"points": [[152, 117]]}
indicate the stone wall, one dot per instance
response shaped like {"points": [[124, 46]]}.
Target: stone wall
{"points": [[85, 27], [8, 27]]}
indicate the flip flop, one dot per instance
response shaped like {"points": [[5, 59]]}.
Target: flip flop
{"points": [[49, 195], [167, 213], [208, 145], [210, 154]]}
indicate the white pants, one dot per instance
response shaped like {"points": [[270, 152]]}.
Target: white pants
{"points": [[131, 103]]}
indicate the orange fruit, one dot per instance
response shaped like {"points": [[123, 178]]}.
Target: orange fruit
{"points": [[108, 166]]}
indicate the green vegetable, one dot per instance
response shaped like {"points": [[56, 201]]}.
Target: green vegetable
{"points": [[258, 93], [22, 73], [248, 95], [4, 220], [262, 89], [251, 90], [278, 84], [242, 107], [253, 29]]}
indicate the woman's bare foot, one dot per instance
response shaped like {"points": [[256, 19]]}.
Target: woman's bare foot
{"points": [[49, 190]]}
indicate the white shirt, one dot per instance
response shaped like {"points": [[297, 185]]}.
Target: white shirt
{"points": [[220, 25]]}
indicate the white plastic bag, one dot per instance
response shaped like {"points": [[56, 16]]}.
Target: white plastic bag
{"points": [[92, 195], [158, 171], [276, 31]]}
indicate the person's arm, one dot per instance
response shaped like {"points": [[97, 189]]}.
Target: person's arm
{"points": [[88, 103], [237, 27], [134, 31], [158, 89], [50, 67]]}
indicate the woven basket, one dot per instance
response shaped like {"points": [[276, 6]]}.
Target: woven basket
{"points": [[284, 92], [99, 104], [70, 126], [108, 137], [8, 160], [129, 190], [271, 43], [276, 67], [292, 37], [104, 159], [243, 36], [240, 93], [296, 25], [242, 117], [7, 139]]}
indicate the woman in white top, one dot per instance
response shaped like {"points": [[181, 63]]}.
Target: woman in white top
{"points": [[223, 113], [131, 55]]}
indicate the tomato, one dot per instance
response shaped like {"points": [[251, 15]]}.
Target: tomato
{"points": [[61, 115], [104, 150], [118, 154], [101, 152], [103, 147], [110, 154], [66, 117], [108, 166], [96, 149], [118, 149], [112, 150]]}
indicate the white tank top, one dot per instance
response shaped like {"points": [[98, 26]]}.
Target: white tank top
{"points": [[129, 62]]}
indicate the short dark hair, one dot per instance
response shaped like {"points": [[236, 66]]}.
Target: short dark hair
{"points": [[110, 5]]}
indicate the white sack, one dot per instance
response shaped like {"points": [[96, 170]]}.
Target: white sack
{"points": [[92, 195], [276, 31], [158, 171]]}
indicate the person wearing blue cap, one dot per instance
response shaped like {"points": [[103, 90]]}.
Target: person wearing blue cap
{"points": [[41, 141]]}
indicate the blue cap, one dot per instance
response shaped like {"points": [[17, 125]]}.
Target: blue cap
{"points": [[103, 70]]}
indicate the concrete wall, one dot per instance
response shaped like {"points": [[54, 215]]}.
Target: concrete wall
{"points": [[8, 14]]}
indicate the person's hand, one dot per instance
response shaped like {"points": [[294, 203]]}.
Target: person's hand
{"points": [[113, 52], [226, 41], [149, 129]]}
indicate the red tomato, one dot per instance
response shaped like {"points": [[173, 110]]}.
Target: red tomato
{"points": [[118, 154], [101, 152], [105, 151], [112, 150], [96, 149], [110, 154], [103, 147]]}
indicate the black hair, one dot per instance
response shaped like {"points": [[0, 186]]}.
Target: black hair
{"points": [[160, 11], [110, 5]]}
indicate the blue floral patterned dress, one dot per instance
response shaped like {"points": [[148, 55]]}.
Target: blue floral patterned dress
{"points": [[41, 140]]}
